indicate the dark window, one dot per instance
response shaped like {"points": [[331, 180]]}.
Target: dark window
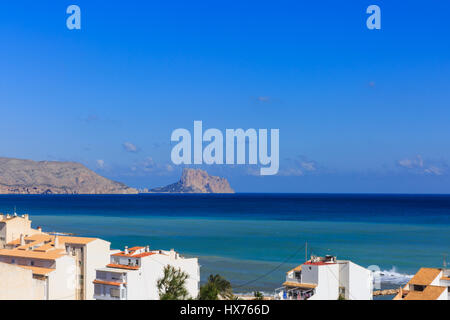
{"points": [[418, 288]]}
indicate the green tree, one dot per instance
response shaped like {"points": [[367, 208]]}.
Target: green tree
{"points": [[258, 295], [172, 285], [217, 287]]}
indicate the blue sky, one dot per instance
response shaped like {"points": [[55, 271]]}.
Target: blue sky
{"points": [[358, 110]]}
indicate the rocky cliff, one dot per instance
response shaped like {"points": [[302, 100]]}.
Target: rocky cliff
{"points": [[54, 177], [197, 181]]}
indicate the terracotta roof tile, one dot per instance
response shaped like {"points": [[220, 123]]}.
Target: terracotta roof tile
{"points": [[299, 285], [38, 270], [110, 283], [429, 293], [425, 276], [121, 266]]}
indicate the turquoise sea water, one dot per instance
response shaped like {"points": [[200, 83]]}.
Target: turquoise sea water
{"points": [[253, 240]]}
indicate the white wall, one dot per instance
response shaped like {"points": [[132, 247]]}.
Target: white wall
{"points": [[328, 285], [61, 282], [97, 255], [360, 286], [15, 283], [310, 273]]}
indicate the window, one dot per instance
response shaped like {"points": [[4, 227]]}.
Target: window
{"points": [[98, 289], [113, 292], [31, 263], [418, 288], [13, 260]]}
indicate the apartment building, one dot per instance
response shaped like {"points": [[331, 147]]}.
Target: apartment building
{"points": [[62, 267], [12, 226], [132, 274], [326, 278], [427, 284]]}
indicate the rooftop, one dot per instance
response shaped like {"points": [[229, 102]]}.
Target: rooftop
{"points": [[8, 217], [17, 253], [135, 252], [110, 283], [425, 276], [122, 266], [38, 270], [318, 263], [299, 285], [429, 293], [297, 268], [41, 246], [43, 237]]}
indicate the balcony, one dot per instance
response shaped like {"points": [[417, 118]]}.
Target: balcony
{"points": [[109, 291]]}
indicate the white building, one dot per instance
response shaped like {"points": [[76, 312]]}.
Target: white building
{"points": [[133, 274], [12, 226], [326, 278], [49, 267], [427, 284]]}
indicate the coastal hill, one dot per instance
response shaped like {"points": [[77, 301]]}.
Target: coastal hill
{"points": [[197, 181], [54, 177]]}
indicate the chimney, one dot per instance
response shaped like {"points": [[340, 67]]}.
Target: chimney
{"points": [[126, 250], [1, 217], [56, 241], [172, 254], [26, 216], [22, 240], [39, 229], [147, 249]]}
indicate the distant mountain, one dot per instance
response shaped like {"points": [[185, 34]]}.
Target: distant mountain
{"points": [[197, 181], [54, 177]]}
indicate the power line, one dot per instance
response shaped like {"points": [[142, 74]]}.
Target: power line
{"points": [[272, 270]]}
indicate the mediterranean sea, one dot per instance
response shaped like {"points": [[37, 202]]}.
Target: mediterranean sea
{"points": [[253, 239]]}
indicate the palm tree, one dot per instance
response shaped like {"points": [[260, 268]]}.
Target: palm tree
{"points": [[172, 285], [216, 288], [258, 295]]}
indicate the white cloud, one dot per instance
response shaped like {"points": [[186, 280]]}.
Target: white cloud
{"points": [[130, 147], [263, 99], [434, 170], [297, 167], [148, 166], [100, 163], [419, 166], [416, 162]]}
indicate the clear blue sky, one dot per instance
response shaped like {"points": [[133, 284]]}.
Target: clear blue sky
{"points": [[358, 110]]}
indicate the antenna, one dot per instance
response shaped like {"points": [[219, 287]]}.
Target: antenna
{"points": [[306, 251]]}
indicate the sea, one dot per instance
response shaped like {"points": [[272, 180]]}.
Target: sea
{"points": [[253, 239]]}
